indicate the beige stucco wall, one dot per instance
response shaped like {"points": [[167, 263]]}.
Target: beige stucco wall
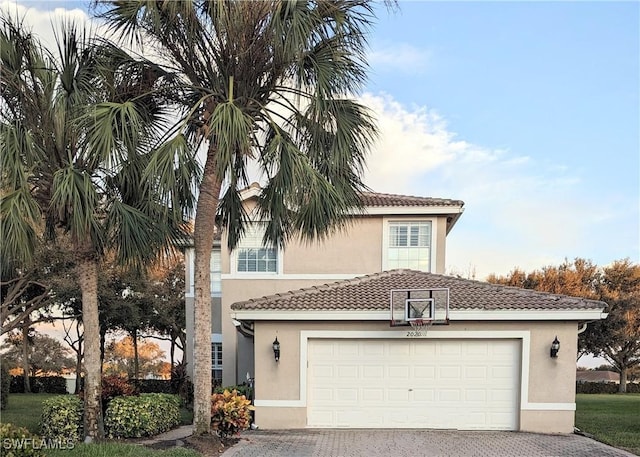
{"points": [[550, 382], [354, 251]]}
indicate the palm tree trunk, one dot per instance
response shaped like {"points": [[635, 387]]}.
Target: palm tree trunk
{"points": [[25, 356], [87, 272], [203, 244]]}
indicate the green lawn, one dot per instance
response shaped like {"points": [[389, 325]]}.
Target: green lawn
{"points": [[25, 410], [119, 450], [610, 418]]}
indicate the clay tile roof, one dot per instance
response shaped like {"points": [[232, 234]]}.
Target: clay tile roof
{"points": [[373, 199], [371, 292], [597, 376]]}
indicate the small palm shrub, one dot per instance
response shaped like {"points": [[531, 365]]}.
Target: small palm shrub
{"points": [[230, 413]]}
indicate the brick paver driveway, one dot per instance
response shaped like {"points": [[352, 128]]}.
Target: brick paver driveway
{"points": [[398, 443]]}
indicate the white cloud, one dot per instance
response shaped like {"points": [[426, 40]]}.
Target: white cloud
{"points": [[399, 58], [43, 22], [518, 211]]}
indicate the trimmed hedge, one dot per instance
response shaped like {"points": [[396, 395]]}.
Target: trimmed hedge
{"points": [[156, 386], [5, 384], [604, 388], [62, 418], [143, 415], [40, 385], [19, 442]]}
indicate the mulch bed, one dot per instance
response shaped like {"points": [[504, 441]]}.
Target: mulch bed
{"points": [[208, 445]]}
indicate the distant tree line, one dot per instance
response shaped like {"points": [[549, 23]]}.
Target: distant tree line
{"points": [[616, 338]]}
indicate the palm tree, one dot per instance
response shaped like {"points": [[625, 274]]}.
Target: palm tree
{"points": [[77, 130], [268, 83]]}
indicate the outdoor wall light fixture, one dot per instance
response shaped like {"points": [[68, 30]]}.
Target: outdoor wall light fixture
{"points": [[555, 347], [276, 349]]}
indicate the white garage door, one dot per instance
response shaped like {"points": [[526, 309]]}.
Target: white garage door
{"points": [[416, 383]]}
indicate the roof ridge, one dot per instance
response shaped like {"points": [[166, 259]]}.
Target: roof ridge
{"points": [[371, 291], [387, 194]]}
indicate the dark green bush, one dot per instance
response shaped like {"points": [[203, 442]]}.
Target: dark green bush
{"points": [[604, 388], [40, 384], [143, 415], [155, 386], [62, 418], [181, 383], [5, 384], [19, 442]]}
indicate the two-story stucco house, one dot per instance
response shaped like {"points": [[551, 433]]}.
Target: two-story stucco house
{"points": [[344, 359]]}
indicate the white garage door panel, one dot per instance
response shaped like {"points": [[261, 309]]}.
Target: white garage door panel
{"points": [[421, 383]]}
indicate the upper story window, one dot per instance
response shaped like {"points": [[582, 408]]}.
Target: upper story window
{"points": [[215, 269], [252, 256], [216, 272], [409, 245]]}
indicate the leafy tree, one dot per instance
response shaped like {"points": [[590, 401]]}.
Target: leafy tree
{"points": [[120, 359], [268, 83], [616, 338], [165, 288], [28, 292], [78, 129], [45, 354]]}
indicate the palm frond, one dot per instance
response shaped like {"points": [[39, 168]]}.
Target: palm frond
{"points": [[20, 216], [75, 201]]}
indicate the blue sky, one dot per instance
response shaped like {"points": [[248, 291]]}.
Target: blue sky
{"points": [[546, 94], [527, 111]]}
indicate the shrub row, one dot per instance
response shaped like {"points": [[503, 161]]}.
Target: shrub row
{"points": [[39, 384], [143, 415], [604, 388], [156, 386], [126, 417], [62, 418]]}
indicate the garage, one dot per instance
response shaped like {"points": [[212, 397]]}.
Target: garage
{"points": [[461, 384], [343, 361]]}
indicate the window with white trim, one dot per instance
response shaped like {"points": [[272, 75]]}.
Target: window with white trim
{"points": [[215, 269], [409, 245], [252, 256], [216, 361]]}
